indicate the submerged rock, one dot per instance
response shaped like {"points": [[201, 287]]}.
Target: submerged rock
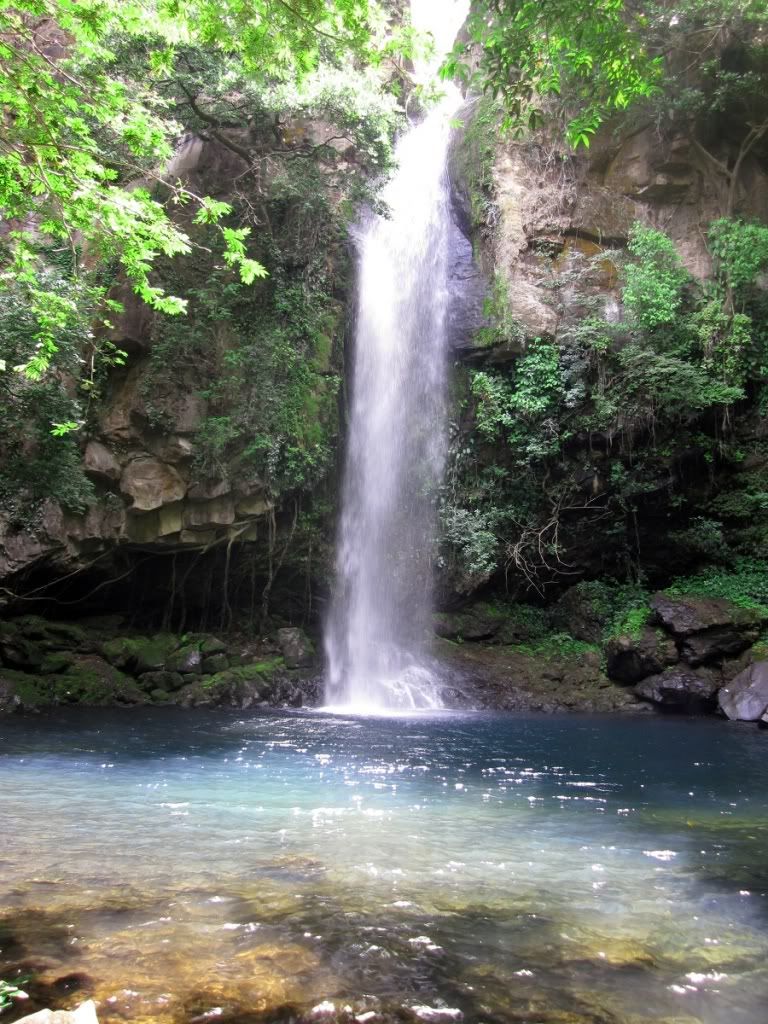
{"points": [[745, 698], [85, 1013]]}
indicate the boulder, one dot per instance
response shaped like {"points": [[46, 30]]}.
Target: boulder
{"points": [[85, 1013], [21, 653], [706, 628], [679, 687], [151, 483], [166, 681], [719, 642], [52, 635], [579, 615], [214, 663], [296, 647], [686, 615], [236, 687], [745, 698], [187, 660], [212, 645], [139, 654], [100, 462], [630, 659], [91, 680]]}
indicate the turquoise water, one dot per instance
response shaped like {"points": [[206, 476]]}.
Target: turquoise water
{"points": [[198, 866]]}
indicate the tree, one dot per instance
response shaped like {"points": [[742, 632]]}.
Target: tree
{"points": [[593, 50], [83, 145]]}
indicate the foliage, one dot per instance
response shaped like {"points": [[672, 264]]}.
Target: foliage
{"points": [[740, 250], [557, 645], [9, 991], [654, 279], [645, 389], [87, 133], [520, 410], [532, 49], [261, 358], [39, 417], [745, 584]]}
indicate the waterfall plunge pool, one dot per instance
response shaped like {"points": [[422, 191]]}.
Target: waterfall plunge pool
{"points": [[273, 867]]}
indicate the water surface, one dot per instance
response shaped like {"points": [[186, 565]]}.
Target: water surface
{"points": [[185, 867]]}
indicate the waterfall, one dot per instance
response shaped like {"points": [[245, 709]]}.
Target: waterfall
{"points": [[376, 634]]}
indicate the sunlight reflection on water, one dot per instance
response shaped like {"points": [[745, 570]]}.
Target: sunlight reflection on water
{"points": [[591, 869]]}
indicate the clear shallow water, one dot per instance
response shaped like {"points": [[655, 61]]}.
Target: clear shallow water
{"points": [[186, 867]]}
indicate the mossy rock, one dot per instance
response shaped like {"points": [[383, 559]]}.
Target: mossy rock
{"points": [[215, 663], [211, 645], [235, 687], [139, 654], [56, 661], [186, 659], [22, 654], [89, 680], [20, 691], [92, 681], [56, 635]]}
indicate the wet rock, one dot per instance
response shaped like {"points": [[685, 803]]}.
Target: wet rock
{"points": [[187, 660], [630, 659], [506, 678], [169, 681], [214, 663], [85, 1013], [679, 687], [296, 647], [745, 698]]}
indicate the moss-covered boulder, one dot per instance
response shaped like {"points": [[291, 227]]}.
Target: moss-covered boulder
{"points": [[20, 653], [87, 680], [214, 663], [166, 681], [140, 654], [53, 635], [239, 687], [186, 660], [631, 658]]}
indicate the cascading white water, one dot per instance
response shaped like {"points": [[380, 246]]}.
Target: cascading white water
{"points": [[375, 635]]}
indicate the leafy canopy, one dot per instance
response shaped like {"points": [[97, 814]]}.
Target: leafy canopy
{"points": [[83, 146], [533, 49]]}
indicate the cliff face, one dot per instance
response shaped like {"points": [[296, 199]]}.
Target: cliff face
{"points": [[581, 448], [207, 440]]}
